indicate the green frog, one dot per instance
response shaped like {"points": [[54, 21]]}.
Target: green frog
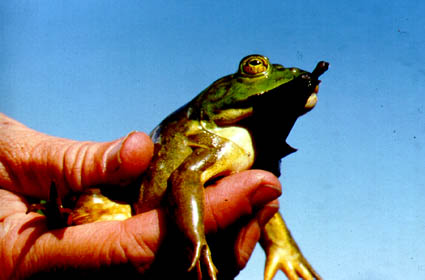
{"points": [[239, 122]]}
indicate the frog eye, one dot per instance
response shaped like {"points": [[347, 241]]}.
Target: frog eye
{"points": [[254, 65]]}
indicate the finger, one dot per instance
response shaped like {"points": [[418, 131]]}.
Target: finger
{"points": [[249, 235], [135, 240], [11, 204], [238, 195], [87, 247]]}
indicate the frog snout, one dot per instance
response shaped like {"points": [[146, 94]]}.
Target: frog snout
{"points": [[312, 79], [306, 76]]}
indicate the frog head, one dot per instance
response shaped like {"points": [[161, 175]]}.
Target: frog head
{"points": [[259, 87]]}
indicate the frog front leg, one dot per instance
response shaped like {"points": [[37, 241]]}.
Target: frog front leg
{"points": [[187, 206], [283, 252]]}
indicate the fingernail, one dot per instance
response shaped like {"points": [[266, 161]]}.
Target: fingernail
{"points": [[265, 194], [113, 156]]}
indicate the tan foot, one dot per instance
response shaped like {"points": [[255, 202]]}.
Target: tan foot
{"points": [[293, 264], [283, 252]]}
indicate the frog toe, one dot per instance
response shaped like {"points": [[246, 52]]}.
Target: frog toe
{"points": [[274, 264], [294, 266], [202, 255], [307, 272], [207, 260]]}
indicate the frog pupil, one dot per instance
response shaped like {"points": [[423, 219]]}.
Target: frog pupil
{"points": [[255, 62]]}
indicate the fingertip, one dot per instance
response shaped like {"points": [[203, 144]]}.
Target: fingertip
{"points": [[239, 195], [128, 157], [267, 212], [135, 153], [264, 194]]}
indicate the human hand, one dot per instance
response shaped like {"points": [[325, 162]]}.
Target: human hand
{"points": [[30, 161]]}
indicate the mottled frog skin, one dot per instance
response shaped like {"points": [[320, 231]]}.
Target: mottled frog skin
{"points": [[239, 122]]}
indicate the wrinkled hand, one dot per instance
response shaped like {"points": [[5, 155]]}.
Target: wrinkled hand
{"points": [[30, 161]]}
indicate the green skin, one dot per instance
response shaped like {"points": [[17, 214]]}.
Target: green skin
{"points": [[191, 148]]}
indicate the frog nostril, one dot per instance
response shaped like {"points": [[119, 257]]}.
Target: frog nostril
{"points": [[305, 76]]}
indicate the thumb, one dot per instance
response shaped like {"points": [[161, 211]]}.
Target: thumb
{"points": [[30, 160], [116, 162]]}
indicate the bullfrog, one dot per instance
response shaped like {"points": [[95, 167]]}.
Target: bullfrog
{"points": [[240, 121]]}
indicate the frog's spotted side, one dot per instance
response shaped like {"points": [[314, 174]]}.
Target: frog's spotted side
{"points": [[240, 121]]}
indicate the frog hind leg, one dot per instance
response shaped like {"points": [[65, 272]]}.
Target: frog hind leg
{"points": [[187, 206], [283, 252]]}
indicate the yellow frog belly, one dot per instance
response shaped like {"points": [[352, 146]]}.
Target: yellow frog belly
{"points": [[236, 154]]}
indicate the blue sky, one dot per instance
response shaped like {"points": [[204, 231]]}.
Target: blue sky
{"points": [[354, 193]]}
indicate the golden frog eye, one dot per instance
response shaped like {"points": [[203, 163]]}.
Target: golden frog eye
{"points": [[255, 65]]}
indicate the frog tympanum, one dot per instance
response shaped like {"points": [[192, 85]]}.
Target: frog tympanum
{"points": [[240, 121]]}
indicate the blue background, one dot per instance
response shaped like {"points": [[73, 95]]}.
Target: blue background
{"points": [[354, 193]]}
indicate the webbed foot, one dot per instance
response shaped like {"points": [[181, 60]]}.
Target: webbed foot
{"points": [[202, 255], [291, 262], [283, 252]]}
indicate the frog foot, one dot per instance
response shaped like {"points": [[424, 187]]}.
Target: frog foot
{"points": [[293, 264], [203, 254]]}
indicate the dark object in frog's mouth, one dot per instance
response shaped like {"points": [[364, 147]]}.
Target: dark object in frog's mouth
{"points": [[321, 68]]}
